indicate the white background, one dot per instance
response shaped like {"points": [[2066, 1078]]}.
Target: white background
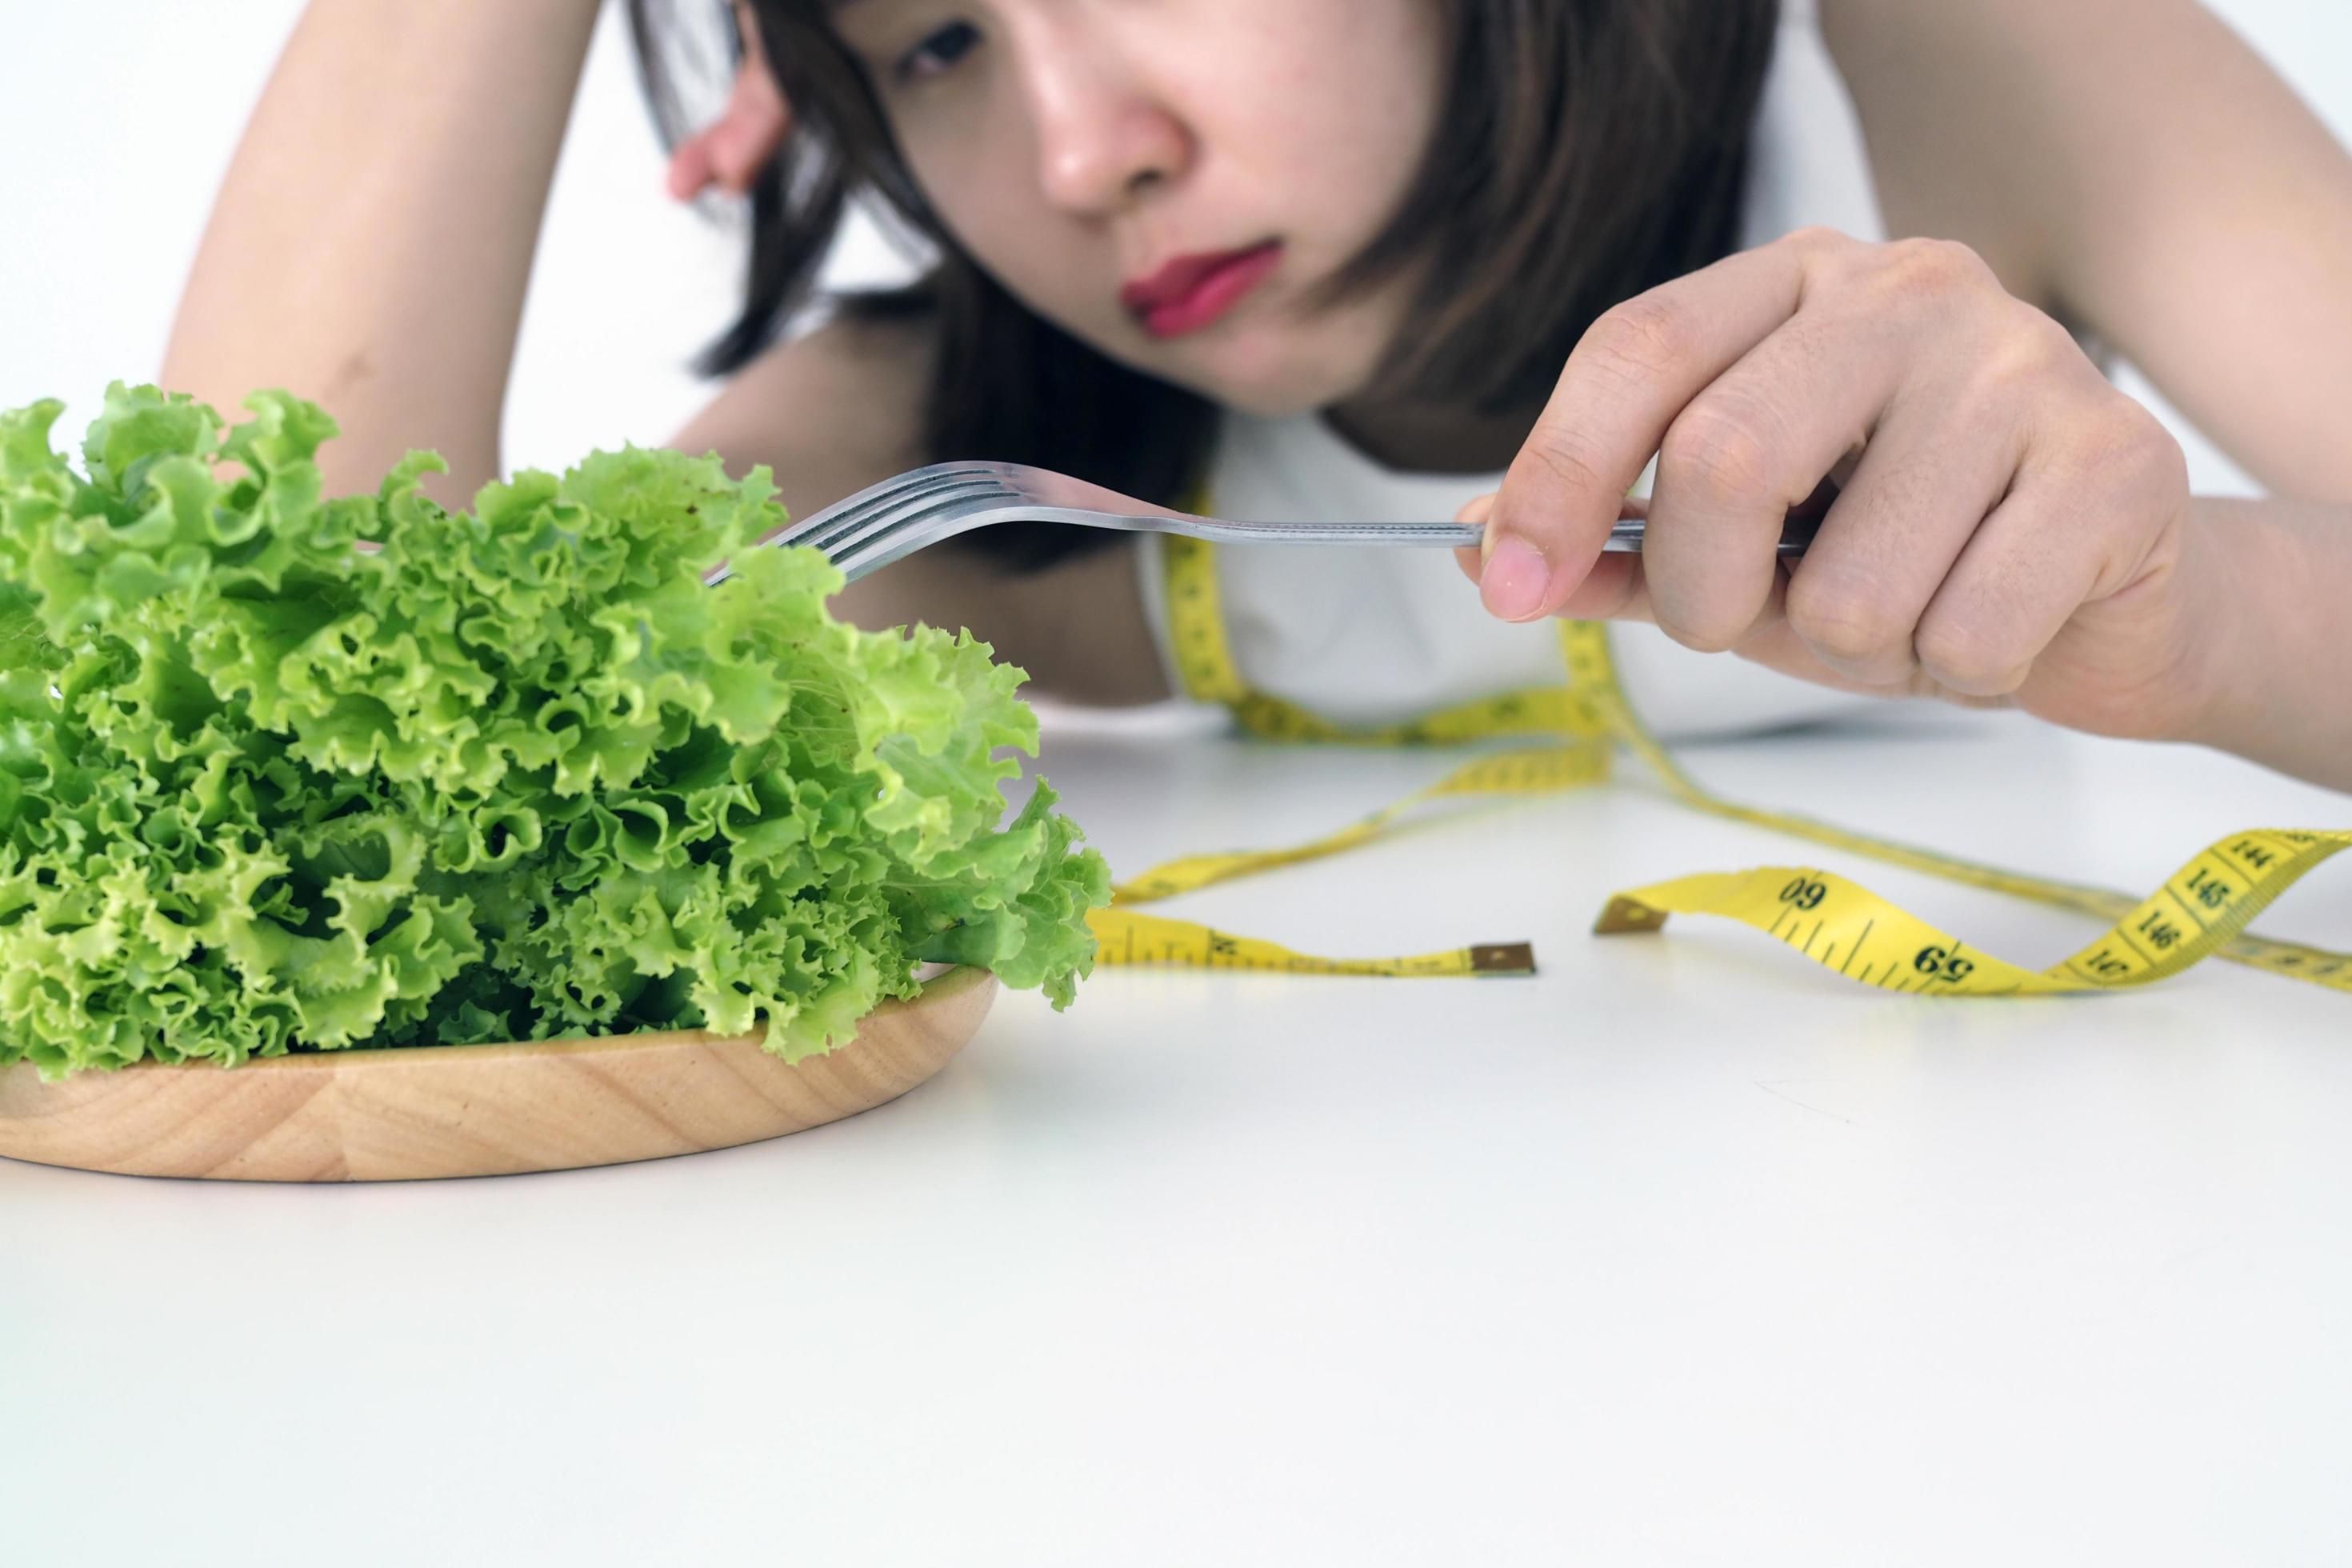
{"points": [[117, 119]]}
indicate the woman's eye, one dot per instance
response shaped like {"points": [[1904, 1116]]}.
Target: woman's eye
{"points": [[938, 53]]}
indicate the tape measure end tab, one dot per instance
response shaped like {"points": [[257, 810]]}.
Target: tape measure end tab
{"points": [[1502, 958], [1625, 916]]}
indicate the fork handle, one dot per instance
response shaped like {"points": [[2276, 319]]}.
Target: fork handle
{"points": [[1797, 530], [1624, 537]]}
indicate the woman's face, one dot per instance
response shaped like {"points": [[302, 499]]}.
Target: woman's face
{"points": [[1171, 180]]}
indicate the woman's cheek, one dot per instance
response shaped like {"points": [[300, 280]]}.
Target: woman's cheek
{"points": [[1053, 271]]}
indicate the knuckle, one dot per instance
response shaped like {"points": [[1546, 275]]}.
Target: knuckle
{"points": [[1713, 450], [2153, 452], [1922, 270], [1819, 242], [1694, 629], [2047, 336], [2099, 443], [2165, 459], [1643, 337], [1969, 656], [1712, 607], [2015, 370], [2029, 345], [1840, 620], [2028, 375], [1562, 468], [2118, 445]]}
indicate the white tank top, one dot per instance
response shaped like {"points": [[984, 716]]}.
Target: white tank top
{"points": [[1373, 636]]}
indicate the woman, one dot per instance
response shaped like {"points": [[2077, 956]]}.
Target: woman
{"points": [[1356, 256]]}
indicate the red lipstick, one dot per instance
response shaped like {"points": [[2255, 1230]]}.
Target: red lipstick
{"points": [[1196, 291]]}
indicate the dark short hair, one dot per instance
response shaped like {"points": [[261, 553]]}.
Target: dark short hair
{"points": [[1586, 150]]}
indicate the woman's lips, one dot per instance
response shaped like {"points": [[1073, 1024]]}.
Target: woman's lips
{"points": [[1195, 291]]}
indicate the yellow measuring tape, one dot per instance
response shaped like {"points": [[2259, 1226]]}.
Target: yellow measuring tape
{"points": [[1127, 937], [2200, 912]]}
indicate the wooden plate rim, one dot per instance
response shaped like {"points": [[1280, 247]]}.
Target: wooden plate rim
{"points": [[501, 1108]]}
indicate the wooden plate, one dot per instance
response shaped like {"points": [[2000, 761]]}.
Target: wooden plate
{"points": [[476, 1111]]}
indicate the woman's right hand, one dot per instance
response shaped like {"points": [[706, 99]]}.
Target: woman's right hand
{"points": [[732, 151]]}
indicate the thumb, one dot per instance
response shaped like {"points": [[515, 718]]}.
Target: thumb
{"points": [[1473, 559]]}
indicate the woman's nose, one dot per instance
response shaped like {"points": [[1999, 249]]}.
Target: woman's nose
{"points": [[1103, 139]]}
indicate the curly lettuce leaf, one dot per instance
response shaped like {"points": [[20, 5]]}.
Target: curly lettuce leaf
{"points": [[513, 773]]}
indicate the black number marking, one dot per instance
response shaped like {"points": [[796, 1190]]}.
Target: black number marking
{"points": [[1938, 964], [2211, 891], [1805, 893]]}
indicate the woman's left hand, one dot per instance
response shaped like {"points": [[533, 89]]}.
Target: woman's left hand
{"points": [[2007, 528]]}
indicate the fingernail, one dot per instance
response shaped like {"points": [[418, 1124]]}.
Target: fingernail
{"points": [[1514, 582]]}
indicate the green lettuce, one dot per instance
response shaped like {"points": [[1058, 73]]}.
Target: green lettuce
{"points": [[280, 772]]}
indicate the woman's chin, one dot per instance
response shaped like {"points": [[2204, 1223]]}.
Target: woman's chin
{"points": [[1255, 373]]}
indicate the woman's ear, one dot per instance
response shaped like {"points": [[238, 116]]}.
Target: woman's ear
{"points": [[731, 151]]}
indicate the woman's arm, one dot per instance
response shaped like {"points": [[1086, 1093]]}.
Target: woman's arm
{"points": [[2134, 167], [371, 245], [2273, 587]]}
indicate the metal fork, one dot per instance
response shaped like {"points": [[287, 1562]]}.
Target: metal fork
{"points": [[922, 507]]}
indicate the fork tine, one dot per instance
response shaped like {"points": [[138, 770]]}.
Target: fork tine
{"points": [[908, 529], [920, 525], [853, 511], [941, 486], [903, 536], [886, 544], [850, 513]]}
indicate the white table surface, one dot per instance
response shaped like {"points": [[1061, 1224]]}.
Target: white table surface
{"points": [[1683, 1251]]}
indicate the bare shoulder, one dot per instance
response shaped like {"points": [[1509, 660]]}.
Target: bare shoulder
{"points": [[831, 411], [1987, 122]]}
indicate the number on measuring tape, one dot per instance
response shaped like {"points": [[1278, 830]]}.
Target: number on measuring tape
{"points": [[1803, 892], [2211, 891], [2252, 854], [1942, 964]]}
